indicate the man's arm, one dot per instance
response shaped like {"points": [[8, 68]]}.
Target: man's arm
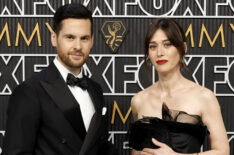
{"points": [[22, 121]]}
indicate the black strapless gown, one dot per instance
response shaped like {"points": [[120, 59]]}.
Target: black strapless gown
{"points": [[184, 133]]}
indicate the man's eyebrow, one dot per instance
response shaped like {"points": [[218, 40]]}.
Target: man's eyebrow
{"points": [[85, 36], [68, 34]]}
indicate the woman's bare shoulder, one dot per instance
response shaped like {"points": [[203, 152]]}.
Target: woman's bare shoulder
{"points": [[203, 92], [143, 96], [138, 98], [205, 96]]}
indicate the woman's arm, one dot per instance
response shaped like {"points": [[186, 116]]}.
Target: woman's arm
{"points": [[134, 105], [212, 118]]}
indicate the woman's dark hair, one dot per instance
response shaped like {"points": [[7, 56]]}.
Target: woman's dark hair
{"points": [[175, 35], [77, 11]]}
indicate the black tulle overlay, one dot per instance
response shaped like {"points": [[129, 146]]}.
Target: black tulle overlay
{"points": [[183, 132]]}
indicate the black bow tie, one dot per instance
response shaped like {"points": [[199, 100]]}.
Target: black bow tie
{"points": [[73, 81]]}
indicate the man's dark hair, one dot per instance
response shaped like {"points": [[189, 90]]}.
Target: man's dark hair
{"points": [[77, 11]]}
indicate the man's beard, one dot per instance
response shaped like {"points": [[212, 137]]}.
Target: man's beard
{"points": [[65, 58]]}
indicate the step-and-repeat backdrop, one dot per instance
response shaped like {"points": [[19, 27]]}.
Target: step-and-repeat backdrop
{"points": [[116, 60]]}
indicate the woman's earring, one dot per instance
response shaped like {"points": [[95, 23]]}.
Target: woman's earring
{"points": [[148, 61]]}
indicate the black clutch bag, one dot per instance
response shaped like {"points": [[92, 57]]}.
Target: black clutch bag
{"points": [[143, 130]]}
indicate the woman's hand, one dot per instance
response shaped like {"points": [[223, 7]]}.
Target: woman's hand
{"points": [[162, 150]]}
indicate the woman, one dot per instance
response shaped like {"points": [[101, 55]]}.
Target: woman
{"points": [[174, 115]]}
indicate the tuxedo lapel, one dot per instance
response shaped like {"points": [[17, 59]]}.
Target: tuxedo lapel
{"points": [[57, 89], [96, 121]]}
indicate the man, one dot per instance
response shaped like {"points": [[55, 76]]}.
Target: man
{"points": [[54, 112]]}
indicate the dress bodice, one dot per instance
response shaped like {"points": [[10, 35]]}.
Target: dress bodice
{"points": [[183, 132]]}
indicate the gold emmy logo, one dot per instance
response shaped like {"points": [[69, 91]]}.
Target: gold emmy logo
{"points": [[113, 32]]}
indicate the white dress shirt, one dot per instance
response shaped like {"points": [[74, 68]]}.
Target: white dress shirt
{"points": [[81, 96]]}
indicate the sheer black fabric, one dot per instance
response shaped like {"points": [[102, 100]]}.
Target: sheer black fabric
{"points": [[183, 132]]}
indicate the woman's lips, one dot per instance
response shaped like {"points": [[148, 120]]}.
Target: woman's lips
{"points": [[160, 62]]}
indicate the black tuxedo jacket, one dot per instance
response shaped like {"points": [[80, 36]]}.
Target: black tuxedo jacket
{"points": [[36, 124]]}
